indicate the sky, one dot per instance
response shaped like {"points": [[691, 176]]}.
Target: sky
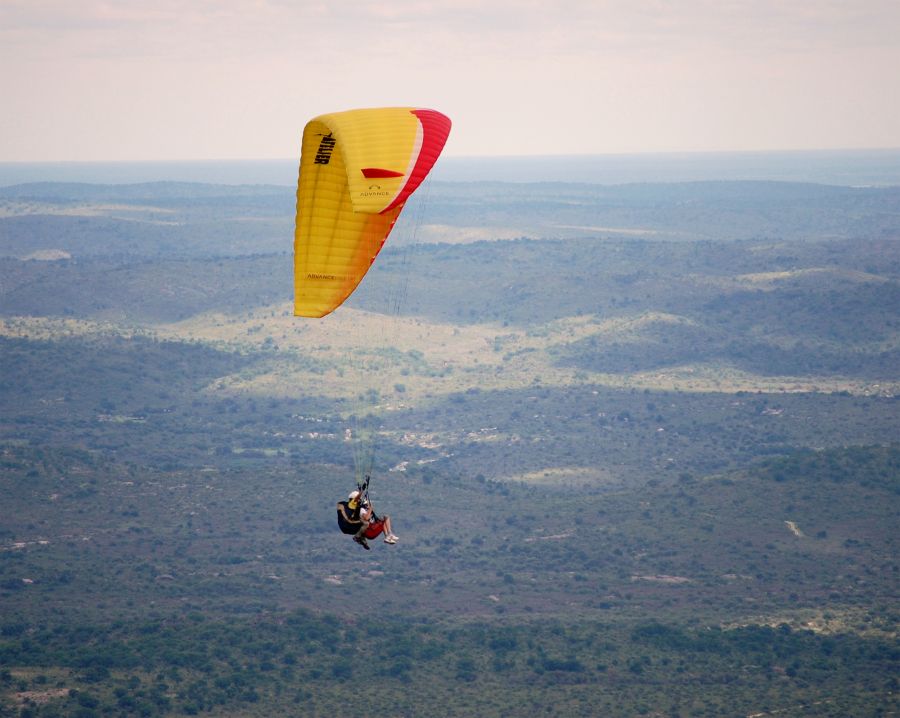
{"points": [[105, 80]]}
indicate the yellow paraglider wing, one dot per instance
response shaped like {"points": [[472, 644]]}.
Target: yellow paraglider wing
{"points": [[357, 169]]}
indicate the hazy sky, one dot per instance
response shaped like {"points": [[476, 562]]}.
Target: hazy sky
{"points": [[207, 79]]}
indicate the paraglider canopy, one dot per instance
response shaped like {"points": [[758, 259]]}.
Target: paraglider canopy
{"points": [[357, 169]]}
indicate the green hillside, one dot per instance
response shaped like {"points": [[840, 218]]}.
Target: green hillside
{"points": [[639, 443]]}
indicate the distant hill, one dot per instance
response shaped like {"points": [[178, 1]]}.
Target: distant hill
{"points": [[144, 220], [698, 210], [166, 218]]}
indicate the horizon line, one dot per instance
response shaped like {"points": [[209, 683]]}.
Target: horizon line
{"points": [[535, 156]]}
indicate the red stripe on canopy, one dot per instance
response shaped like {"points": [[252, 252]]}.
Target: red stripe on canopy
{"points": [[435, 128]]}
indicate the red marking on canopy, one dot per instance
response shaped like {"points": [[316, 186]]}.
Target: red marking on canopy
{"points": [[378, 172]]}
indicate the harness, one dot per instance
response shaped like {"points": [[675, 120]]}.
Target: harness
{"points": [[352, 510], [354, 524]]}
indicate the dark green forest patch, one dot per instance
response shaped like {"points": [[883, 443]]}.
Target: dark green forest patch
{"points": [[141, 290], [308, 663]]}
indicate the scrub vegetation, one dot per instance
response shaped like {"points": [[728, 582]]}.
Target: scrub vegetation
{"points": [[642, 457]]}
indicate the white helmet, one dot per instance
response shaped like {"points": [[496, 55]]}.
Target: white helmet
{"points": [[353, 495]]}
